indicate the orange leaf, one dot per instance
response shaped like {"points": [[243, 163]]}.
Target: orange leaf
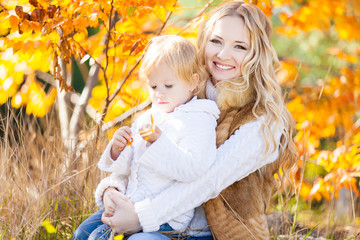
{"points": [[14, 22]]}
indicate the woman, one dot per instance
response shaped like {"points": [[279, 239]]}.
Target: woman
{"points": [[254, 138]]}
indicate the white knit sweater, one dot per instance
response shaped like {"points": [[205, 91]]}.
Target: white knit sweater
{"points": [[185, 150], [239, 156]]}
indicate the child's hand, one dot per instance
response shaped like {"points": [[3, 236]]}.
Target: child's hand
{"points": [[150, 133], [121, 138]]}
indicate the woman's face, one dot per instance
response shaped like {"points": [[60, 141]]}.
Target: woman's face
{"points": [[226, 49]]}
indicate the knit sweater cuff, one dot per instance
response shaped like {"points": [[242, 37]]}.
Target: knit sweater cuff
{"points": [[103, 185], [147, 216], [106, 161]]}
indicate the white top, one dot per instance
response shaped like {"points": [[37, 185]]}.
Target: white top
{"points": [[184, 152], [239, 156]]}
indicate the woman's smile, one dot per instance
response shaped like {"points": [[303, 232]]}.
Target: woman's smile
{"points": [[223, 67]]}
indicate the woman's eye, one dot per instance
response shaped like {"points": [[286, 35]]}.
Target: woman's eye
{"points": [[168, 85], [240, 47], [215, 41], [153, 87]]}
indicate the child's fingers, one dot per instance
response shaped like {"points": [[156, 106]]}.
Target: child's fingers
{"points": [[120, 143], [124, 132], [127, 130]]}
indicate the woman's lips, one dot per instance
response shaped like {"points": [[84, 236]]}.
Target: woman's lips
{"points": [[223, 67]]}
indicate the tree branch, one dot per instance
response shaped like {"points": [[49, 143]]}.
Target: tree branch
{"points": [[83, 101], [90, 84], [74, 97], [63, 104], [126, 114]]}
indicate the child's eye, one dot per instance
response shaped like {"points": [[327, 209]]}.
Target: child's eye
{"points": [[216, 41], [153, 87], [168, 85], [240, 47]]}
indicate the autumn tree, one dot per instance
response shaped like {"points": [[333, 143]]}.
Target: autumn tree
{"points": [[44, 42]]}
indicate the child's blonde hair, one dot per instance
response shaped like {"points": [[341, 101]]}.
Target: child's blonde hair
{"points": [[179, 54]]}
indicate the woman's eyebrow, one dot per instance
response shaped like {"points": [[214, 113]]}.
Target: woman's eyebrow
{"points": [[235, 41], [242, 42]]}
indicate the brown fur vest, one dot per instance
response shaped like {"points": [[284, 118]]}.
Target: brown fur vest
{"points": [[239, 211]]}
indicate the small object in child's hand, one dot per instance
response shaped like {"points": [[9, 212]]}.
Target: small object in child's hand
{"points": [[127, 143], [145, 133], [130, 142]]}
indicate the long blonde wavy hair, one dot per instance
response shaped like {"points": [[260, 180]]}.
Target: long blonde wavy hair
{"points": [[258, 68]]}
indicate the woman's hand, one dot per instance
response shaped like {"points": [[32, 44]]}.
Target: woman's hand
{"points": [[108, 203], [121, 138], [124, 219]]}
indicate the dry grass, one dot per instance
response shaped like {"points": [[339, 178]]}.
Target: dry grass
{"points": [[38, 180]]}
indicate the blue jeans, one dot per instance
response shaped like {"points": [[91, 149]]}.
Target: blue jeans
{"points": [[92, 228], [158, 236]]}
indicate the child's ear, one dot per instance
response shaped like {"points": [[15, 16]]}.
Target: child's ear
{"points": [[195, 82]]}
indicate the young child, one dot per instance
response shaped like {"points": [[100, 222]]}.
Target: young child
{"points": [[180, 142]]}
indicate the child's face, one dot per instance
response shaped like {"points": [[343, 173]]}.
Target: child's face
{"points": [[167, 90], [226, 49]]}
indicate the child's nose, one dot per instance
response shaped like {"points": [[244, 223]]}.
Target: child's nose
{"points": [[159, 93]]}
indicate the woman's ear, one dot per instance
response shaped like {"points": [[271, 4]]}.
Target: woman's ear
{"points": [[195, 82]]}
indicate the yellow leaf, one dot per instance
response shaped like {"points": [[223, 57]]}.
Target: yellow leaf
{"points": [[169, 5], [48, 226], [160, 12], [119, 237], [305, 190], [16, 101], [3, 97], [343, 33]]}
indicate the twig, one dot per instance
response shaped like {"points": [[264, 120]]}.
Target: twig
{"points": [[107, 50], [126, 114]]}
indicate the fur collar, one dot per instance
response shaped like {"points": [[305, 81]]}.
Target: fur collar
{"points": [[228, 97], [225, 96]]}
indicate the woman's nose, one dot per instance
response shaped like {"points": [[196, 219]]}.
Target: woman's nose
{"points": [[224, 53]]}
